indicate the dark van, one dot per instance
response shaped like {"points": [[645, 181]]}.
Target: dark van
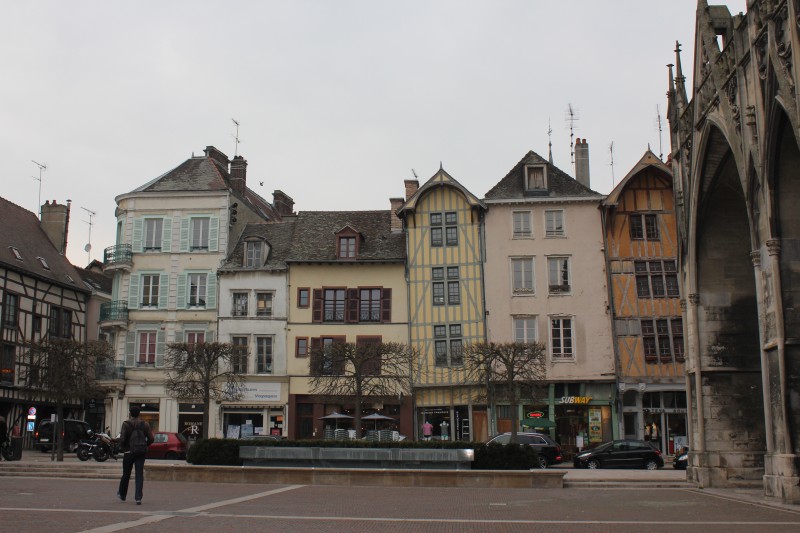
{"points": [[74, 431]]}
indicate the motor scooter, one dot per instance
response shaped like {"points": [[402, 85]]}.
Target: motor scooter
{"points": [[101, 446]]}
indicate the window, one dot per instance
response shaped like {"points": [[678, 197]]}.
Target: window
{"points": [[662, 339], [263, 304], [252, 254], [44, 263], [644, 226], [197, 290], [437, 273], [522, 275], [60, 323], [522, 225], [200, 227], [369, 356], [438, 292], [303, 297], [558, 274], [535, 178], [525, 329], [301, 347], [448, 345], [10, 310], [347, 247], [333, 305], [452, 272], [150, 290], [16, 253], [369, 305], [147, 349], [325, 359], [240, 303], [436, 219], [561, 338], [657, 279], [554, 223], [7, 364], [264, 355], [240, 354], [195, 337], [451, 228], [153, 229], [436, 237], [453, 293]]}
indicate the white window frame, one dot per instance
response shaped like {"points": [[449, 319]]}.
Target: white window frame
{"points": [[253, 251], [196, 282], [153, 295], [265, 369], [557, 286], [153, 234], [204, 233], [522, 290], [527, 325], [146, 358], [239, 308], [550, 231], [562, 355], [519, 221]]}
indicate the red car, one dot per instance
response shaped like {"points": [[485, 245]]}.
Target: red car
{"points": [[167, 446]]}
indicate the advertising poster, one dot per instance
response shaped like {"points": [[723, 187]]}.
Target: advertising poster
{"points": [[595, 425]]}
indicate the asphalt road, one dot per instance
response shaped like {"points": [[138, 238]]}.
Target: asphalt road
{"points": [[69, 505]]}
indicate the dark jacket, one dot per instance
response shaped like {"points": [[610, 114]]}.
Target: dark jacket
{"points": [[3, 430], [127, 429]]}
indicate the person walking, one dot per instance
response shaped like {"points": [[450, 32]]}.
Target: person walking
{"points": [[135, 437]]}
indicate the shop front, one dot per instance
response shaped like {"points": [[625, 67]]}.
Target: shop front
{"points": [[190, 420], [307, 412], [656, 413], [149, 411], [259, 411]]}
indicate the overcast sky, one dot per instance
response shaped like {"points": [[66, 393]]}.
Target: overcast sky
{"points": [[338, 100]]}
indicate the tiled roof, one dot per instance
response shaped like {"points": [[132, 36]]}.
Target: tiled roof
{"points": [[277, 234], [315, 236], [21, 230], [96, 280], [559, 183]]}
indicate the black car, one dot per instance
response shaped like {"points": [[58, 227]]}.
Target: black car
{"points": [[681, 460], [549, 450], [621, 454], [74, 432]]}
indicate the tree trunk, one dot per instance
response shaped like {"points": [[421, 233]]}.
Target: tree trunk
{"points": [[357, 421], [206, 411]]}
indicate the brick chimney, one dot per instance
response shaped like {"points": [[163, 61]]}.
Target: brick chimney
{"points": [[282, 202], [217, 156], [239, 174], [582, 162], [397, 224], [411, 187], [55, 223]]}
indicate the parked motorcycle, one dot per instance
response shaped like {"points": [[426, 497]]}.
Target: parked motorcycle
{"points": [[99, 445]]}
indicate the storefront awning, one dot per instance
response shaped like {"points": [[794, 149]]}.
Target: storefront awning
{"points": [[538, 423]]}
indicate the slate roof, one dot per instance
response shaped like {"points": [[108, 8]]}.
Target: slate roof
{"points": [[315, 236], [277, 234], [204, 173], [559, 183], [96, 280], [22, 230]]}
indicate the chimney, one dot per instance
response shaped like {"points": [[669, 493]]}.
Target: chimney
{"points": [[216, 155], [55, 223], [411, 187], [283, 203], [582, 162], [239, 174], [397, 224]]}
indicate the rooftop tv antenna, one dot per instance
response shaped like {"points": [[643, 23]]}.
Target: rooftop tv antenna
{"points": [[549, 141], [571, 118], [42, 166], [236, 138], [415, 174], [611, 153], [660, 131], [88, 247]]}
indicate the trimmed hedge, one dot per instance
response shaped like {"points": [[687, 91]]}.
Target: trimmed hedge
{"points": [[225, 452]]}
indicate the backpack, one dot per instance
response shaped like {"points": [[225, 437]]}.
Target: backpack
{"points": [[137, 440]]}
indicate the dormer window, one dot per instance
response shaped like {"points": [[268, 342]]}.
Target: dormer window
{"points": [[254, 253], [535, 178], [347, 243], [16, 253], [44, 263]]}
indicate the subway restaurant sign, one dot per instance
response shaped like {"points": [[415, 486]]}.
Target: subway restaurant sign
{"points": [[576, 399]]}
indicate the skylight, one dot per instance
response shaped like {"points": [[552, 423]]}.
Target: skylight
{"points": [[44, 263], [16, 253]]}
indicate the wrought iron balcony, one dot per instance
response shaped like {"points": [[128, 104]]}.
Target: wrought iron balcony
{"points": [[118, 256], [109, 371], [114, 312]]}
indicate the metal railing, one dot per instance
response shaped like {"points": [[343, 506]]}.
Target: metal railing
{"points": [[110, 370], [120, 253], [114, 311]]}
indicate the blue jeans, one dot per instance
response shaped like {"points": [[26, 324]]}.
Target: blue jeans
{"points": [[130, 460]]}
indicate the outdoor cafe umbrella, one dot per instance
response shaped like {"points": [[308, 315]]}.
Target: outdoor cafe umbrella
{"points": [[377, 416], [336, 417]]}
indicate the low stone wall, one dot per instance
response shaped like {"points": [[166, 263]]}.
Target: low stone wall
{"points": [[402, 458], [368, 477]]}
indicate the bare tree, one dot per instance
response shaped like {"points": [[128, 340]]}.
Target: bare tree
{"points": [[203, 371], [509, 372], [362, 371], [62, 371]]}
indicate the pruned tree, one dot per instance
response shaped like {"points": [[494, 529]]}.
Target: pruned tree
{"points": [[62, 371], [509, 372], [360, 372], [203, 372]]}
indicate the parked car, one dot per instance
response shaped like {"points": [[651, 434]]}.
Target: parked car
{"points": [[681, 460], [74, 432], [548, 449], [621, 454], [168, 446]]}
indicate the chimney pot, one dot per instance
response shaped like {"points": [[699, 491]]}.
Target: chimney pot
{"points": [[55, 224], [239, 174], [411, 187], [282, 202], [582, 163], [396, 224]]}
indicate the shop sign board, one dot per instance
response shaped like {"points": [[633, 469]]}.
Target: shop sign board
{"points": [[576, 400], [535, 414], [261, 392], [595, 425]]}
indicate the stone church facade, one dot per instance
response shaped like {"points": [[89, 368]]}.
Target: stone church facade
{"points": [[736, 163]]}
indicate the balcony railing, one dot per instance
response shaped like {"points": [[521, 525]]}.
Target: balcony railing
{"points": [[120, 253], [114, 311], [110, 370]]}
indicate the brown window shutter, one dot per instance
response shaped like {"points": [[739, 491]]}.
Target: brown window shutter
{"points": [[351, 305], [316, 312], [386, 305], [315, 356]]}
